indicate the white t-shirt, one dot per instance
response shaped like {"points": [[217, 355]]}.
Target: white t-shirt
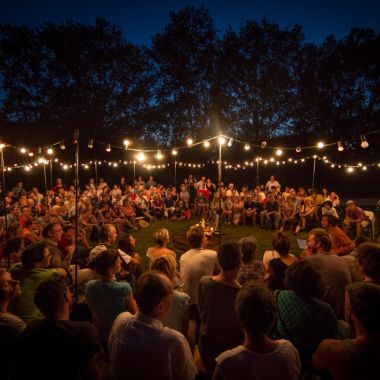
{"points": [[194, 264], [240, 363]]}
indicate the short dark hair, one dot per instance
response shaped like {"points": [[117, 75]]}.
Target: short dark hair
{"points": [[322, 237], [369, 260], [195, 235], [50, 296], [303, 279], [248, 246], [365, 304], [151, 289], [48, 228], [125, 244], [332, 220], [33, 254], [105, 260], [256, 308], [281, 243], [229, 256], [13, 245], [104, 232]]}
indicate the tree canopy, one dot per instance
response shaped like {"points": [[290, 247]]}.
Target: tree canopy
{"points": [[259, 82]]}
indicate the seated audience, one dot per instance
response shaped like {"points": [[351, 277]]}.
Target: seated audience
{"points": [[341, 243], [355, 218], [140, 347], [259, 357]]}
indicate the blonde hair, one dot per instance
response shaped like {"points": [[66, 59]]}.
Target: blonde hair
{"points": [[165, 264], [161, 236]]}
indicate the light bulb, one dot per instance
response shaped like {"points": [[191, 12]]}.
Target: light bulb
{"points": [[279, 152]]}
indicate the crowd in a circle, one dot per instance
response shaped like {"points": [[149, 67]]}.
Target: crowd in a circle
{"points": [[221, 314]]}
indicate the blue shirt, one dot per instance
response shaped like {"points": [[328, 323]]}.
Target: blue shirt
{"points": [[107, 300]]}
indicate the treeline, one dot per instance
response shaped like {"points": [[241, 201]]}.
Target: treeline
{"points": [[256, 83]]}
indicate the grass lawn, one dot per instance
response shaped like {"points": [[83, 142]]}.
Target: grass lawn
{"points": [[144, 237]]}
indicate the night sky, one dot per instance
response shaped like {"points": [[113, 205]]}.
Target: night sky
{"points": [[141, 19]]}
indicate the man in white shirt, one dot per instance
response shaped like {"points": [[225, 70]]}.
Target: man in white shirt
{"points": [[272, 182], [194, 264], [140, 347]]}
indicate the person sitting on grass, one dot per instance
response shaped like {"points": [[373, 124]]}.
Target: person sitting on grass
{"points": [[162, 238]]}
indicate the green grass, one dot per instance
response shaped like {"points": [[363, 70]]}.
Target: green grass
{"points": [[144, 237]]}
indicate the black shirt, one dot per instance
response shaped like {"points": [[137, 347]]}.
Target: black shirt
{"points": [[51, 349]]}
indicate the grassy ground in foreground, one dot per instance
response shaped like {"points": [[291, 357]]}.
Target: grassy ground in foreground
{"points": [[144, 237]]}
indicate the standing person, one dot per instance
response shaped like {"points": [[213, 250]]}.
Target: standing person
{"points": [[333, 269], [194, 264], [106, 297], [66, 348], [356, 358], [11, 326], [220, 328], [140, 347], [259, 357], [272, 182], [178, 317], [251, 268], [301, 317], [279, 265]]}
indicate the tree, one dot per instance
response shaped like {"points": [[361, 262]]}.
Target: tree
{"points": [[184, 57], [60, 77], [257, 72]]}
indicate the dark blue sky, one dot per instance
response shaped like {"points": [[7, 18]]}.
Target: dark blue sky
{"points": [[141, 19]]}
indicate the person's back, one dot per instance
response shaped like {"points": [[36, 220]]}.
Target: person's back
{"points": [[245, 364], [335, 276], [195, 264], [56, 347], [140, 347], [259, 357]]}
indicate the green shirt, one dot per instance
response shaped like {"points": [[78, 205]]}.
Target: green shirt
{"points": [[30, 279]]}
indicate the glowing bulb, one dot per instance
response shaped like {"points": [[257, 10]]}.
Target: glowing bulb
{"points": [[27, 168], [340, 146], [247, 147], [90, 144], [320, 145], [108, 148], [85, 166], [279, 152], [364, 144], [206, 144], [141, 156], [350, 169], [174, 152], [298, 149], [23, 150], [263, 144], [126, 143], [221, 140], [230, 142], [30, 154], [62, 146], [49, 151], [65, 167], [189, 142], [2, 146], [364, 168], [159, 155]]}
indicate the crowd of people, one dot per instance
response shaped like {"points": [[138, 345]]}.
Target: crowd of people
{"points": [[221, 314]]}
